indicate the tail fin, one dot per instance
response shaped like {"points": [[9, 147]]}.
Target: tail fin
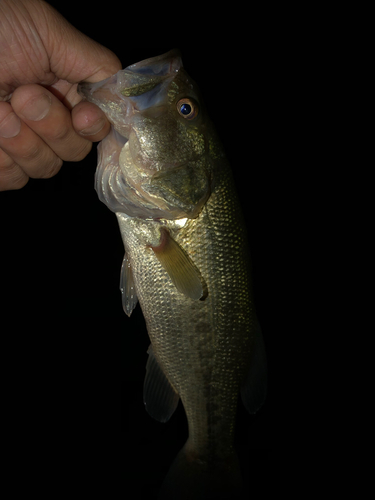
{"points": [[192, 478]]}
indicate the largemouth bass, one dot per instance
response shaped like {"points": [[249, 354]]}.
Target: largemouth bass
{"points": [[163, 172]]}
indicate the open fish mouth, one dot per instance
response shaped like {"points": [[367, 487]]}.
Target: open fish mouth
{"points": [[138, 87], [154, 163]]}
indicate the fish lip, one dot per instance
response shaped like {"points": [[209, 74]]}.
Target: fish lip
{"points": [[135, 89], [174, 55], [86, 89]]}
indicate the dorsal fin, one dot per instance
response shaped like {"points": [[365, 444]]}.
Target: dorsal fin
{"points": [[179, 266], [159, 397]]}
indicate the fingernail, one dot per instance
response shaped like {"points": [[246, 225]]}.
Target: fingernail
{"points": [[10, 126], [94, 129], [36, 109]]}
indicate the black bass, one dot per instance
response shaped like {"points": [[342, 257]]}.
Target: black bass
{"points": [[163, 172]]}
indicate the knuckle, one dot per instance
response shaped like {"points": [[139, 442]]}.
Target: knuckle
{"points": [[51, 169], [67, 144], [31, 153], [12, 177], [81, 152], [61, 134], [18, 182], [40, 162]]}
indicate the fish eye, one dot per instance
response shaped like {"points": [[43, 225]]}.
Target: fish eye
{"points": [[187, 108]]}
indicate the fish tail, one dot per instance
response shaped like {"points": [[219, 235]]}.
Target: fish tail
{"points": [[191, 477]]}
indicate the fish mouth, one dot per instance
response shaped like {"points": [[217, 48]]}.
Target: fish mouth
{"points": [[141, 88], [139, 173], [137, 87]]}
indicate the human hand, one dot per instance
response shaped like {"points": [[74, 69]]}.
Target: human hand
{"points": [[43, 121]]}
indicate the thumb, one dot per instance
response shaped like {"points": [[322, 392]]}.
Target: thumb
{"points": [[73, 56]]}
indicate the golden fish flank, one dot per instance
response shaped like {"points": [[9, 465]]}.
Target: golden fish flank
{"points": [[162, 170]]}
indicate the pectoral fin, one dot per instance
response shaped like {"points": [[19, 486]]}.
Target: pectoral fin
{"points": [[254, 388], [159, 397], [179, 266], [129, 296]]}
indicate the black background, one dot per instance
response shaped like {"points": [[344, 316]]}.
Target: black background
{"points": [[76, 360]]}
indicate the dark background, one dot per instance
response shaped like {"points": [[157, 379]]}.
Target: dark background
{"points": [[77, 361]]}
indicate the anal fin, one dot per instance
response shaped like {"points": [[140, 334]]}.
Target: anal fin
{"points": [[159, 397]]}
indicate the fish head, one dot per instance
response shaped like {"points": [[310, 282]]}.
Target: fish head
{"points": [[160, 144]]}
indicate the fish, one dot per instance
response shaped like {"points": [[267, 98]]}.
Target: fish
{"points": [[164, 173]]}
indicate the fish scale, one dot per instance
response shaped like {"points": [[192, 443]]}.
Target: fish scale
{"points": [[195, 341], [164, 173]]}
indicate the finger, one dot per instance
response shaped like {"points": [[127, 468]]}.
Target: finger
{"points": [[24, 147], [90, 122], [73, 55], [50, 120], [11, 174]]}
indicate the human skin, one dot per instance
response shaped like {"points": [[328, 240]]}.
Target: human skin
{"points": [[43, 120]]}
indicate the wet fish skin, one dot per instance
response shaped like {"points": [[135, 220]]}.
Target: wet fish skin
{"points": [[203, 346], [187, 258]]}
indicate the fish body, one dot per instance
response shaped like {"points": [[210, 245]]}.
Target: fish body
{"points": [[164, 173]]}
